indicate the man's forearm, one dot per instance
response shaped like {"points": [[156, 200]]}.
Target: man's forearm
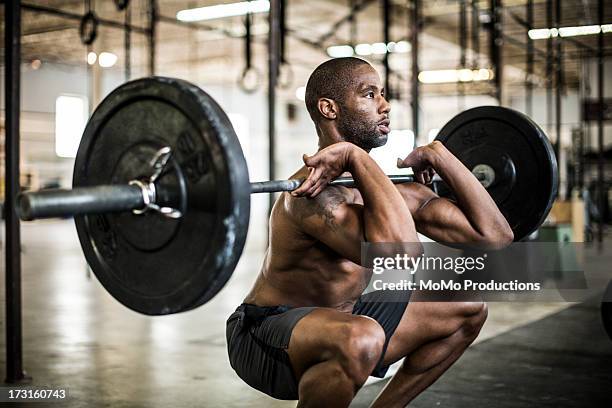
{"points": [[386, 215], [472, 197]]}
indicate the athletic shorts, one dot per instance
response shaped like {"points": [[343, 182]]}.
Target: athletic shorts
{"points": [[257, 338]]}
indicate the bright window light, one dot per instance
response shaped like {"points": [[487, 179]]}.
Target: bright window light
{"points": [[223, 10], [431, 135], [606, 28], [70, 120], [339, 51], [107, 59], [399, 145], [300, 93], [240, 124]]}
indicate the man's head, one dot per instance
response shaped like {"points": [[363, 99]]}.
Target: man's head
{"points": [[344, 96]]}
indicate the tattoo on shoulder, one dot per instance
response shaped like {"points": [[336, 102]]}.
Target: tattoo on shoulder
{"points": [[323, 205]]}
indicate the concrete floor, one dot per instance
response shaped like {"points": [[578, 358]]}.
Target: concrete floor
{"points": [[77, 336]]}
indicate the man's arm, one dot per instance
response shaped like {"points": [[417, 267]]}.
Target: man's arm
{"points": [[338, 222], [475, 217]]}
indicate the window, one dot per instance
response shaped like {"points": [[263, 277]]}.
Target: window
{"points": [[70, 119]]}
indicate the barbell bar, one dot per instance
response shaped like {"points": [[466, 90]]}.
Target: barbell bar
{"points": [[139, 197]]}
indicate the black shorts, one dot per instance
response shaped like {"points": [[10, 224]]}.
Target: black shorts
{"points": [[257, 338]]}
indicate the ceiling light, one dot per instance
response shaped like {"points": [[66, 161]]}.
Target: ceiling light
{"points": [[363, 49], [581, 30], [539, 34], [223, 10], [379, 48], [455, 75], [402, 46], [91, 58], [543, 33], [107, 59], [465, 75], [338, 51]]}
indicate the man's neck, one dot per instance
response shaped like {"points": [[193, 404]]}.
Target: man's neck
{"points": [[328, 137]]}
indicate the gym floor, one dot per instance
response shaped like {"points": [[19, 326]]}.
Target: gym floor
{"points": [[76, 336]]}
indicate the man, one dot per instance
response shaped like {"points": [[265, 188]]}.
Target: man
{"points": [[304, 331]]}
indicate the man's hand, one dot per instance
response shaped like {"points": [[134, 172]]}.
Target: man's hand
{"points": [[324, 166], [420, 159]]}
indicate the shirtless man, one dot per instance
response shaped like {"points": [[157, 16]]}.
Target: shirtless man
{"points": [[304, 331]]}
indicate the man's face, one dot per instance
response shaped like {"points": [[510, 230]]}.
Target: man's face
{"points": [[364, 114]]}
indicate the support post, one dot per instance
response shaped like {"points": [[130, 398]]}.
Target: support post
{"points": [[495, 46], [600, 126], [127, 41], [549, 68], [386, 12], [463, 38], [530, 52], [12, 82], [415, 22], [273, 66], [152, 35], [558, 80]]}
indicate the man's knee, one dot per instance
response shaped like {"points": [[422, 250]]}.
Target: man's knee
{"points": [[465, 318], [359, 347], [474, 316]]}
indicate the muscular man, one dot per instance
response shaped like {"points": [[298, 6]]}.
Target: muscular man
{"points": [[304, 331]]}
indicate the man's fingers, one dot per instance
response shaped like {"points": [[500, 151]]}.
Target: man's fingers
{"points": [[308, 185], [313, 189], [407, 162], [318, 180], [311, 161], [304, 187], [321, 187], [420, 178]]}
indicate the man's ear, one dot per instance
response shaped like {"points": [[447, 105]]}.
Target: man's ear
{"points": [[328, 108]]}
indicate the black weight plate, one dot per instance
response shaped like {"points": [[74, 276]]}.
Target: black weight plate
{"points": [[496, 136], [150, 263]]}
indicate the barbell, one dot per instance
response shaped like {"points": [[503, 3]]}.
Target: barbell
{"points": [[161, 191]]}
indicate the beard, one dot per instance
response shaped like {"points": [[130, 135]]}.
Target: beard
{"points": [[363, 133]]}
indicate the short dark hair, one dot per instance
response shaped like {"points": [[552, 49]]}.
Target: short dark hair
{"points": [[331, 79]]}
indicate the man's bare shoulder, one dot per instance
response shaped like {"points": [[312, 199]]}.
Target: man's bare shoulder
{"points": [[323, 206]]}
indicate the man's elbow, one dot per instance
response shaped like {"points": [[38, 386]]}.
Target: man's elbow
{"points": [[497, 238]]}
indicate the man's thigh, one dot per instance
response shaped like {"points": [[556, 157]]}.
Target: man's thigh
{"points": [[424, 321]]}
